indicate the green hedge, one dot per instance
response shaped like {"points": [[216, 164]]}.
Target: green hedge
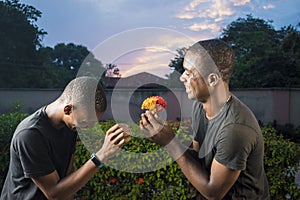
{"points": [[165, 183], [8, 124], [281, 164]]}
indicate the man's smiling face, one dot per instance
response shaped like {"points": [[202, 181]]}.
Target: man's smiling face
{"points": [[195, 85]]}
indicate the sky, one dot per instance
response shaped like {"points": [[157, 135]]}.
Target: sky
{"points": [[143, 35]]}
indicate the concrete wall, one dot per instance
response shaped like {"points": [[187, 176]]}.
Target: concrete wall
{"points": [[282, 105]]}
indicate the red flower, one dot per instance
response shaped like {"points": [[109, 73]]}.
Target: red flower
{"points": [[112, 180], [140, 181], [161, 102]]}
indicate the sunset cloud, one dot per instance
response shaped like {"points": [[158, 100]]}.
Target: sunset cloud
{"points": [[211, 12]]}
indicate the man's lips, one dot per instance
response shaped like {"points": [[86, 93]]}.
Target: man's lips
{"points": [[187, 89]]}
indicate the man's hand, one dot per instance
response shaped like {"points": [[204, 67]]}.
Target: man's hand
{"points": [[155, 130], [115, 138]]}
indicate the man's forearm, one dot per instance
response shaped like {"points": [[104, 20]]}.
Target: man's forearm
{"points": [[191, 166], [54, 188], [76, 180]]}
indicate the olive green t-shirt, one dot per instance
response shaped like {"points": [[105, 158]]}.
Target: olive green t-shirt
{"points": [[235, 140]]}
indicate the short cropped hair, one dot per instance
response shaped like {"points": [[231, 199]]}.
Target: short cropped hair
{"points": [[216, 54], [85, 91]]}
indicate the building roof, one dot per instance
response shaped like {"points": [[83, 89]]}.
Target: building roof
{"points": [[143, 80]]}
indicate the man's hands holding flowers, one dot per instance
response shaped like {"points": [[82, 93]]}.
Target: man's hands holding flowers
{"points": [[155, 129]]}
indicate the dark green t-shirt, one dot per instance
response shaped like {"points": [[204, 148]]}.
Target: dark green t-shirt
{"points": [[37, 149], [235, 140]]}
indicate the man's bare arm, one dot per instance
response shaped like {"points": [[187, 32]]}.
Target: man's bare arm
{"points": [[213, 186]]}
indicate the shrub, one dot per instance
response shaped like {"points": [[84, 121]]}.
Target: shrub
{"points": [[281, 164], [8, 124], [165, 183]]}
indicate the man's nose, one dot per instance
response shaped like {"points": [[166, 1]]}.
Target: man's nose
{"points": [[182, 78]]}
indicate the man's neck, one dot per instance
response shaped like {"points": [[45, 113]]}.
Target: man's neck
{"points": [[216, 102], [53, 112]]}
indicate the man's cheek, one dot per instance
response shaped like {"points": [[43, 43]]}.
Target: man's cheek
{"points": [[193, 85]]}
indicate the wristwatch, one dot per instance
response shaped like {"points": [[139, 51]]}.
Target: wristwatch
{"points": [[96, 161]]}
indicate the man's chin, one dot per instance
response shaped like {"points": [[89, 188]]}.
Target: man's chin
{"points": [[191, 96]]}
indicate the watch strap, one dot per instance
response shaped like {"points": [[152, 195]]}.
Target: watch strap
{"points": [[96, 161]]}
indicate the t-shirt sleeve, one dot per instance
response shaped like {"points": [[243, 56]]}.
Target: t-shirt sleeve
{"points": [[234, 145], [33, 153]]}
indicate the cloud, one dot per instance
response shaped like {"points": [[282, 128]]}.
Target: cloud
{"points": [[186, 15], [213, 15], [240, 2], [194, 4], [198, 27], [269, 6]]}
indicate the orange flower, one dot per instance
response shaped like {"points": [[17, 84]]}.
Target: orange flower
{"points": [[154, 103], [140, 181]]}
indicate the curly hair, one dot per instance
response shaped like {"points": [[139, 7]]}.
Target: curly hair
{"points": [[214, 56], [85, 91]]}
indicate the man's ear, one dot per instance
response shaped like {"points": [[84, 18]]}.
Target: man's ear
{"points": [[68, 109], [213, 79]]}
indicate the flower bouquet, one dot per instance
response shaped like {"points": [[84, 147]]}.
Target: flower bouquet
{"points": [[154, 104]]}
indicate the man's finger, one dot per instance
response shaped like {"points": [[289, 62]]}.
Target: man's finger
{"points": [[145, 120], [118, 138], [145, 129], [152, 118], [116, 133], [112, 129]]}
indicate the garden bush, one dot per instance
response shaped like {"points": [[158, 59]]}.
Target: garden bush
{"points": [[109, 183], [8, 124], [281, 164]]}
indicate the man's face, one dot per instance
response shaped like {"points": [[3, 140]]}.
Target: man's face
{"points": [[194, 83], [81, 119]]}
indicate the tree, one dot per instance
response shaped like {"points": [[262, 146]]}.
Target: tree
{"points": [[261, 60], [67, 61], [290, 51], [19, 39], [176, 65], [253, 40], [112, 70]]}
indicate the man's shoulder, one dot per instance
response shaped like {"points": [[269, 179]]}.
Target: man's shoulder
{"points": [[240, 114], [29, 126], [239, 109]]}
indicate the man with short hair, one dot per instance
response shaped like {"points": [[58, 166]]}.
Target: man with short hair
{"points": [[228, 148], [42, 147]]}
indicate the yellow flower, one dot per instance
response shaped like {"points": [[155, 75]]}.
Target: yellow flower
{"points": [[154, 103], [149, 103]]}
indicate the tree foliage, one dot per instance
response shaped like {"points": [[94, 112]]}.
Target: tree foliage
{"points": [[19, 38], [112, 70], [176, 64], [265, 57], [25, 63]]}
